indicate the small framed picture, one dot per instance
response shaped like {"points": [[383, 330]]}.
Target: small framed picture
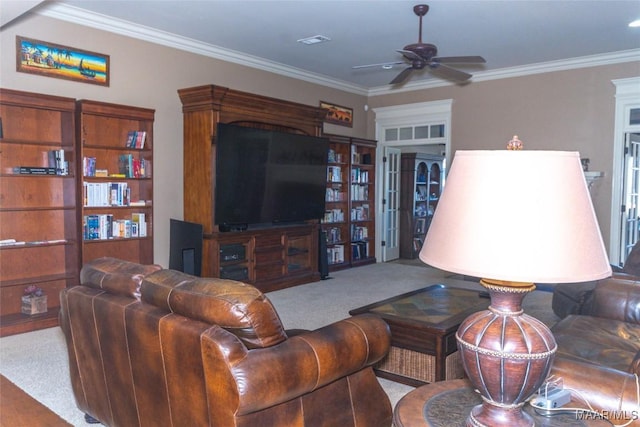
{"points": [[421, 224], [62, 62], [337, 115]]}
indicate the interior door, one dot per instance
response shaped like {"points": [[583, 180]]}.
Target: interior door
{"points": [[630, 195], [391, 204]]}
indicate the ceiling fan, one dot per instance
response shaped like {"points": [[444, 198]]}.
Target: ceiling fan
{"points": [[423, 55]]}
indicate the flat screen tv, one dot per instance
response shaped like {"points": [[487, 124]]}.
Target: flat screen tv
{"points": [[266, 177]]}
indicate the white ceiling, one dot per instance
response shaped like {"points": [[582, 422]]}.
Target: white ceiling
{"points": [[517, 36]]}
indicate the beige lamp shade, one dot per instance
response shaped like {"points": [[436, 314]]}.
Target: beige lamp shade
{"points": [[521, 216]]}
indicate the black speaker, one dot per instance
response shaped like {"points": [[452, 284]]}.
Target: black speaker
{"points": [[323, 257]]}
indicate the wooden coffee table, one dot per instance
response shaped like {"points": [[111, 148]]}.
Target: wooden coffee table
{"points": [[423, 324]]}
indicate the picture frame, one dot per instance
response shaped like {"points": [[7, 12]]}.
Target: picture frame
{"points": [[337, 114], [421, 226], [62, 62]]}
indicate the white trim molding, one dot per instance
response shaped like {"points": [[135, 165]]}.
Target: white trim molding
{"points": [[627, 97]]}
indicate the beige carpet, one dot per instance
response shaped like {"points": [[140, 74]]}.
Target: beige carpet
{"points": [[37, 361]]}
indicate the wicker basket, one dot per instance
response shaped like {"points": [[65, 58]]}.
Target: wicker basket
{"points": [[419, 366]]}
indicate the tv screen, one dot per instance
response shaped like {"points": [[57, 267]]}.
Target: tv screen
{"points": [[266, 177]]}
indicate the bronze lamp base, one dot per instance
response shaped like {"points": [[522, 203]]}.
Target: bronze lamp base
{"points": [[506, 354]]}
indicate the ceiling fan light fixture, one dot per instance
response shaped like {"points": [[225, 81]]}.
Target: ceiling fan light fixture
{"points": [[314, 40]]}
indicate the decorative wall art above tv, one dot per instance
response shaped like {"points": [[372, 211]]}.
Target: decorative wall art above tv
{"points": [[63, 62], [337, 115]]}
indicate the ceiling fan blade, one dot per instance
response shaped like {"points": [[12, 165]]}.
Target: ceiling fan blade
{"points": [[409, 54], [448, 72], [402, 76], [459, 60], [382, 64]]}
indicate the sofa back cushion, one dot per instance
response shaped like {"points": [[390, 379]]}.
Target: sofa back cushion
{"points": [[235, 306], [618, 299], [115, 276]]}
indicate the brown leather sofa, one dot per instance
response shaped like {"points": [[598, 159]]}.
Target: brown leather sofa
{"points": [[155, 347], [598, 353]]}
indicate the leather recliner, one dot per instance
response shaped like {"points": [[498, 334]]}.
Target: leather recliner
{"points": [[155, 347], [598, 355]]}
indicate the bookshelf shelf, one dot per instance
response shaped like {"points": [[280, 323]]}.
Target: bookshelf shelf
{"points": [[348, 225], [104, 130], [39, 210]]}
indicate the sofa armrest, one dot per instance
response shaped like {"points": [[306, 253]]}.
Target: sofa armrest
{"points": [[269, 376], [617, 299], [606, 389]]}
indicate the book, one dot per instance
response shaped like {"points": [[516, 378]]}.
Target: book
{"points": [[35, 170], [131, 139]]}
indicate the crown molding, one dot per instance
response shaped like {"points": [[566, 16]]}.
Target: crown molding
{"points": [[98, 21], [102, 22]]}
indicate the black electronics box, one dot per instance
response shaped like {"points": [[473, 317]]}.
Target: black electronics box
{"points": [[234, 272], [235, 252]]}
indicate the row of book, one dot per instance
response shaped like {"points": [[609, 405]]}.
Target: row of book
{"points": [[56, 165], [334, 174], [361, 158], [335, 195], [104, 227], [360, 175], [333, 215], [359, 192], [359, 250], [132, 167], [136, 139], [335, 254], [359, 233], [333, 235], [360, 213], [128, 167], [334, 157], [98, 194]]}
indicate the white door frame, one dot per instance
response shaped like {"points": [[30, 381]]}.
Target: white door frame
{"points": [[406, 115], [627, 97]]}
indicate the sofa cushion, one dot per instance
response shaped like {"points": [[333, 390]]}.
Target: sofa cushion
{"points": [[594, 340], [235, 306], [115, 276]]}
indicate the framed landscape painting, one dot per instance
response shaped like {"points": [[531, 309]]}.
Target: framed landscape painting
{"points": [[63, 62], [337, 115]]}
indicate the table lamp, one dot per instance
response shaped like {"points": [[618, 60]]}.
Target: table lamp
{"points": [[513, 217]]}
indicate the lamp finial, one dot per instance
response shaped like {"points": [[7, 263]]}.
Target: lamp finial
{"points": [[515, 144]]}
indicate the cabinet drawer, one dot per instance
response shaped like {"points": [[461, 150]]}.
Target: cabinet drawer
{"points": [[268, 256], [268, 240], [269, 271]]}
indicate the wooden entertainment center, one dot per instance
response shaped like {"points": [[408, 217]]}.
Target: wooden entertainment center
{"points": [[269, 258]]}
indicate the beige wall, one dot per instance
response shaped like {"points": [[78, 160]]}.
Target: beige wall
{"points": [[564, 110], [568, 110], [149, 75]]}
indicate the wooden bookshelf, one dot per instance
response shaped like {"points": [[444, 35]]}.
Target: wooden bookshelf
{"points": [[349, 223], [38, 209], [115, 184]]}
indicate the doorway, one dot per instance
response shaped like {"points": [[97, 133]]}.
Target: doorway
{"points": [[424, 126]]}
